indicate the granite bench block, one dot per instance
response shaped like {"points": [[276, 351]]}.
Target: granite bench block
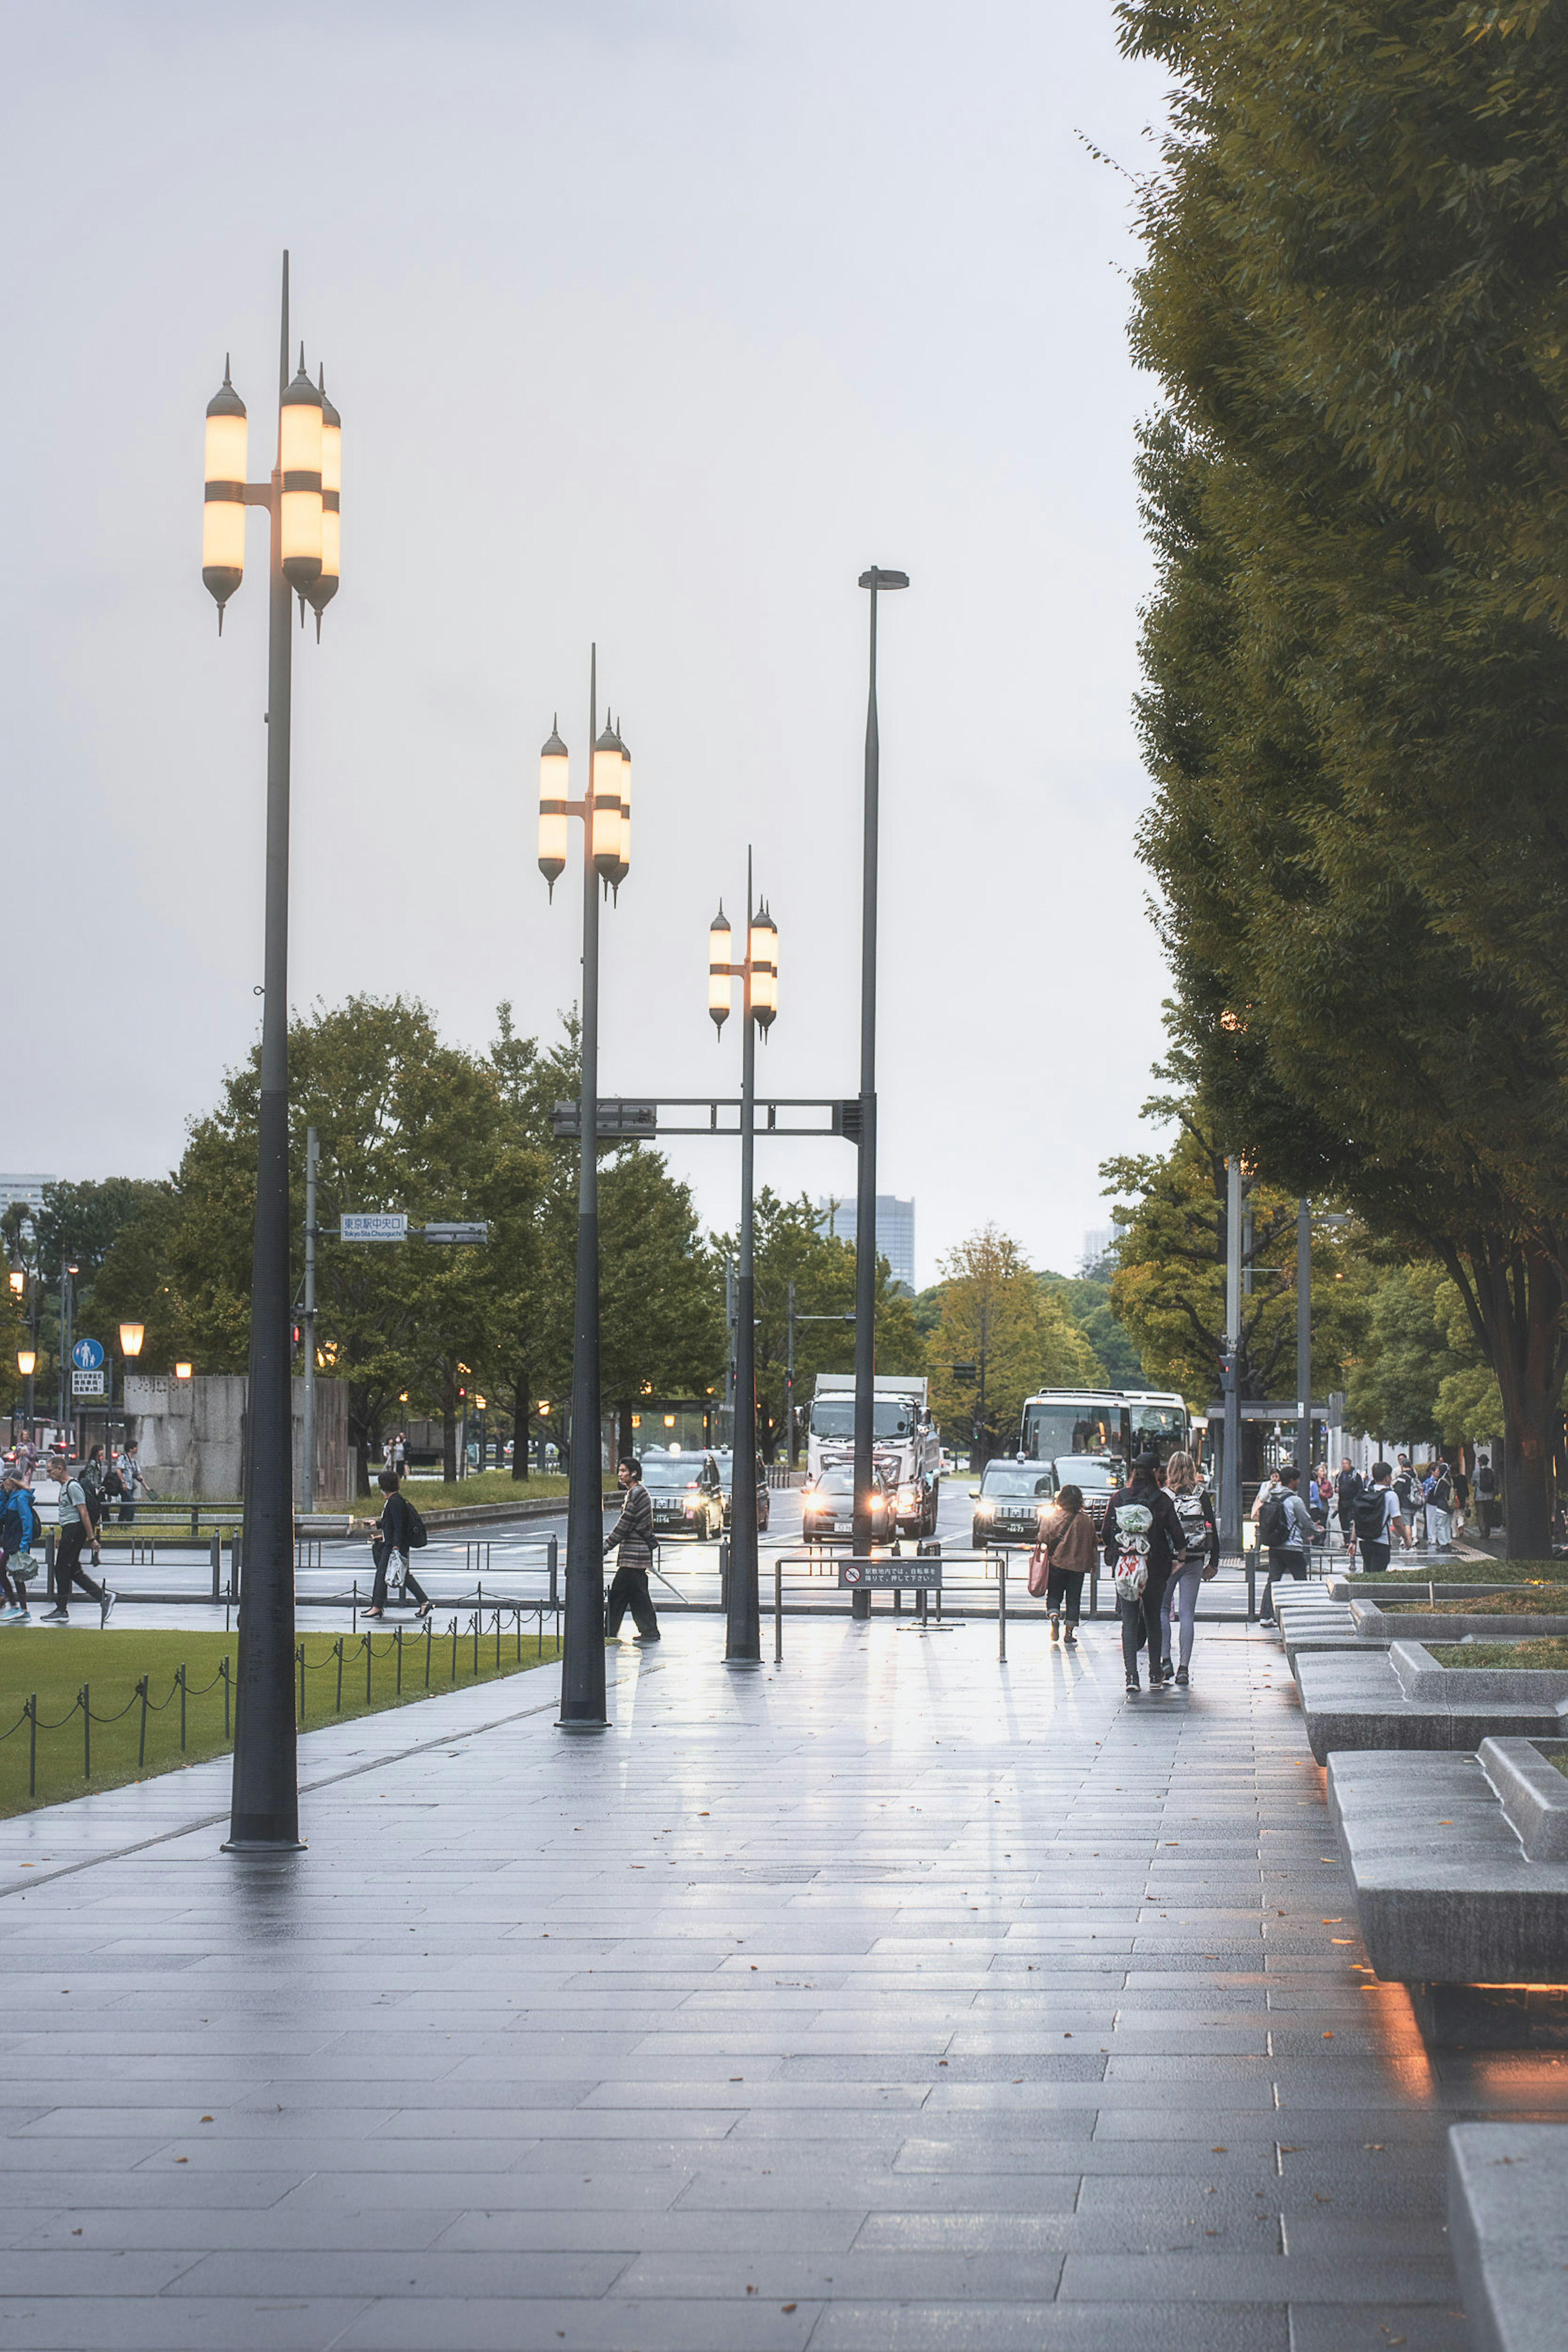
{"points": [[1403, 1699], [1507, 2201]]}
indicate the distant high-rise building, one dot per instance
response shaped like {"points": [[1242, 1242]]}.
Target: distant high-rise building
{"points": [[1098, 1242], [895, 1231], [26, 1190]]}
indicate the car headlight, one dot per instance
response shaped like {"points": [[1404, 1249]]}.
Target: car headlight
{"points": [[907, 1498], [984, 1510]]}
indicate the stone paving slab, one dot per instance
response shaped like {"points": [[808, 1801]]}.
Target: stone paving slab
{"points": [[1507, 2191], [933, 2002]]}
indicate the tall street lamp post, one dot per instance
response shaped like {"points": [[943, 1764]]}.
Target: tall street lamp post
{"points": [[877, 581], [28, 1357], [301, 502], [758, 973], [605, 809], [131, 1338]]}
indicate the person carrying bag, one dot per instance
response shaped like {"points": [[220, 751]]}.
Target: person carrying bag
{"points": [[1062, 1559]]}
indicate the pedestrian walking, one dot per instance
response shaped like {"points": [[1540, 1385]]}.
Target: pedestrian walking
{"points": [[1438, 1490], [18, 1525], [1378, 1520], [632, 1540], [1407, 1487], [1486, 1496], [132, 1481], [92, 1475], [1285, 1530], [1347, 1486], [400, 1531], [1067, 1540], [74, 1529], [1461, 1495], [1198, 1560], [1142, 1529]]}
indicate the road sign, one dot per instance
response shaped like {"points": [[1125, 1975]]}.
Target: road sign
{"points": [[86, 1383], [472, 1236], [906, 1572], [388, 1226], [87, 1355], [613, 1117]]}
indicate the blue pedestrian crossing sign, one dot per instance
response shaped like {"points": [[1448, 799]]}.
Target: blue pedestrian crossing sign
{"points": [[87, 1355]]}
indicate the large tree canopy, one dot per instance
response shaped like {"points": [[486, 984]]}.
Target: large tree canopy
{"points": [[1358, 679]]}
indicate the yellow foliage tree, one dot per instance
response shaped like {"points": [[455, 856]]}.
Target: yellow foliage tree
{"points": [[1000, 1337]]}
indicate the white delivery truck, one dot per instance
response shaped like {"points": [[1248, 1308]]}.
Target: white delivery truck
{"points": [[905, 1444]]}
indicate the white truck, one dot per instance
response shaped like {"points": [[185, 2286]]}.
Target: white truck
{"points": [[905, 1444]]}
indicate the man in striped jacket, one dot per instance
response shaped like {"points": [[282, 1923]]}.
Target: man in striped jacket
{"points": [[633, 1532]]}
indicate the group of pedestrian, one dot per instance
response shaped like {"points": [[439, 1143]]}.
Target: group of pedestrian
{"points": [[80, 1503], [1161, 1540]]}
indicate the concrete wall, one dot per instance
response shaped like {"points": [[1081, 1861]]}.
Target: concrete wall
{"points": [[191, 1434]]}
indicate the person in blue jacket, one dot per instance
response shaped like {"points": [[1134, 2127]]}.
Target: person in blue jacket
{"points": [[18, 1525]]}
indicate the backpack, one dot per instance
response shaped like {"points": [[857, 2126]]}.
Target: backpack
{"points": [[19, 1523], [1194, 1520], [1273, 1522], [414, 1527], [1442, 1495], [1486, 1481], [113, 1485], [1368, 1515], [1133, 1521]]}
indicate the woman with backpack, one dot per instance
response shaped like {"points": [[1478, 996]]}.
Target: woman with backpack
{"points": [[1143, 1538], [1067, 1540], [1198, 1560]]}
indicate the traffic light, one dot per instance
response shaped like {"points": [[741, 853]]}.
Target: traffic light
{"points": [[963, 1375]]}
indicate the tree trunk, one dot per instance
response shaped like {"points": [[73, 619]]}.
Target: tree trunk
{"points": [[359, 1418], [1514, 1295], [448, 1425], [520, 1426], [624, 1432]]}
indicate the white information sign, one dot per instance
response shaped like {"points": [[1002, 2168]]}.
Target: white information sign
{"points": [[390, 1226], [86, 1384]]}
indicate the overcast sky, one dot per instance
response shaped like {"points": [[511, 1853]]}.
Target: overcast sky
{"points": [[650, 320]]}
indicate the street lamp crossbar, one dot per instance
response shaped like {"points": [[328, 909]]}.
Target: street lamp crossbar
{"points": [[618, 1119]]}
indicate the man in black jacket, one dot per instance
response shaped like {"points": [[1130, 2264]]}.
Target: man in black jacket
{"points": [[1165, 1542], [633, 1532], [395, 1525]]}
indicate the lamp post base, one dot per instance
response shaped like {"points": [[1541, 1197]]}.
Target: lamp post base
{"points": [[742, 1665], [601, 1724], [264, 1846]]}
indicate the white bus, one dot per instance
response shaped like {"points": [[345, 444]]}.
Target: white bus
{"points": [[1121, 1424]]}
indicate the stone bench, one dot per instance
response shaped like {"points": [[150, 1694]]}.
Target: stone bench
{"points": [[1403, 1699], [1459, 1864], [1507, 2196]]}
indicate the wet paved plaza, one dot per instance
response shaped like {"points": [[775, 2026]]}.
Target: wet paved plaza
{"points": [[889, 1999]]}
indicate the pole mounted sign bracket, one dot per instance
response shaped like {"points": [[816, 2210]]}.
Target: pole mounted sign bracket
{"points": [[618, 1119]]}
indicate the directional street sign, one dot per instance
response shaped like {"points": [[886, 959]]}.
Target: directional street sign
{"points": [[388, 1226], [87, 1355], [472, 1236], [84, 1385]]}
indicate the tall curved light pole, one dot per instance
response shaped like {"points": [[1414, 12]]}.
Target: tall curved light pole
{"points": [[877, 581], [605, 809], [758, 973], [303, 562]]}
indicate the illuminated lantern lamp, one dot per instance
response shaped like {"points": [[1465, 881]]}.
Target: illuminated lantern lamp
{"points": [[300, 457], [26, 1362], [554, 771], [131, 1339], [719, 993], [762, 954], [223, 516], [326, 587], [608, 766], [184, 1372], [623, 865]]}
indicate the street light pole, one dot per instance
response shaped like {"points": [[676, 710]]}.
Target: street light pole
{"points": [[605, 811], [758, 973], [1304, 1340], [875, 579], [1230, 1487], [307, 1318], [302, 511]]}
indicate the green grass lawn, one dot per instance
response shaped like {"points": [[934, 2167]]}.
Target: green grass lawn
{"points": [[1460, 1572], [1550, 1651], [480, 1486], [57, 1664], [1538, 1600]]}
